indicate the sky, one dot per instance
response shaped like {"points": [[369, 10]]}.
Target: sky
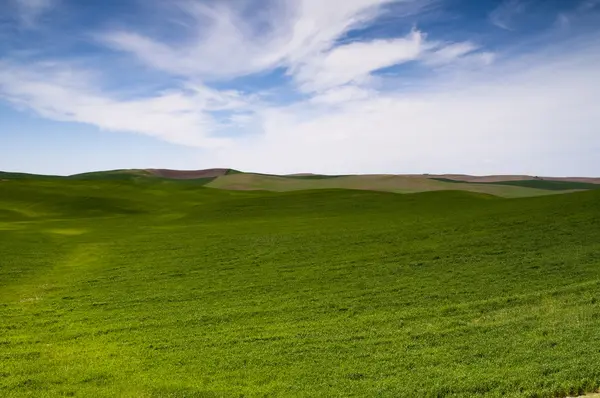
{"points": [[289, 86]]}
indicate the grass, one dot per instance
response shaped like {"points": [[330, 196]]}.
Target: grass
{"points": [[166, 289]]}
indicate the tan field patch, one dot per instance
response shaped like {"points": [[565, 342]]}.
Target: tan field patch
{"points": [[373, 182]]}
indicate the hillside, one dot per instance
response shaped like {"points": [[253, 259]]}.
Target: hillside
{"points": [[170, 289]]}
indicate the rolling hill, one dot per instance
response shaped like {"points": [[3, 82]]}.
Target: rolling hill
{"points": [[229, 179]]}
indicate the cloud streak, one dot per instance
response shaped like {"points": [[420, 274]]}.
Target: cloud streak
{"points": [[505, 14], [353, 63]]}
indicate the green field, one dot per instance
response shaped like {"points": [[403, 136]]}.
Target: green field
{"points": [[147, 287]]}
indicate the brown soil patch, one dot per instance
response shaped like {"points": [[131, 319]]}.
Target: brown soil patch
{"points": [[188, 174]]}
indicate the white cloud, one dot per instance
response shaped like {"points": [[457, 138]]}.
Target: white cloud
{"points": [[353, 63], [180, 115], [449, 53], [342, 95]]}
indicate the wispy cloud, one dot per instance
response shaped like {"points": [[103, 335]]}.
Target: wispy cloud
{"points": [[565, 18], [180, 115], [353, 63], [503, 16], [587, 5], [29, 11], [450, 53]]}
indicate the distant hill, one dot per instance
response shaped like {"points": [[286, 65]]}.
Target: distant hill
{"points": [[6, 175], [509, 186]]}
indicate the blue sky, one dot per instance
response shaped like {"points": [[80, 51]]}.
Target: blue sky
{"points": [[284, 86]]}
